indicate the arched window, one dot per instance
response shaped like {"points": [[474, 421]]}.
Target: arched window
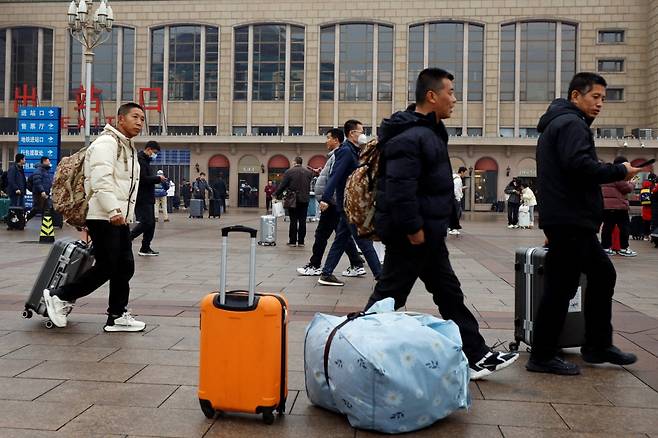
{"points": [[363, 50], [179, 73], [269, 60], [113, 68], [317, 161], [276, 167], [28, 65], [545, 54], [453, 46], [485, 183]]}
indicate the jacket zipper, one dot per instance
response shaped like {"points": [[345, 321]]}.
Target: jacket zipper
{"points": [[132, 180]]}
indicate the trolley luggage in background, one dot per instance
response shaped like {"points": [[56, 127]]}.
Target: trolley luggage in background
{"points": [[16, 218], [215, 208], [529, 289], [267, 230], [68, 259], [524, 216], [196, 208], [242, 351], [4, 208], [637, 228]]}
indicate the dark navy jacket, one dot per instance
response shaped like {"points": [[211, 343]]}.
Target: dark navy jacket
{"points": [[415, 187], [42, 181], [15, 180], [569, 173], [346, 160]]}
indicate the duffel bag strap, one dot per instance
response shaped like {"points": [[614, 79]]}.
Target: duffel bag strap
{"points": [[350, 317]]}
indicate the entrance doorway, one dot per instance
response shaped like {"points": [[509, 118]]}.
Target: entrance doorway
{"points": [[248, 181], [276, 167]]}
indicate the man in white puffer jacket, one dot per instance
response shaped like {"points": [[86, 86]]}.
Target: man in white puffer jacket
{"points": [[111, 179]]}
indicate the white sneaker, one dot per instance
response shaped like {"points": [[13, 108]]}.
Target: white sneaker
{"points": [[57, 309], [354, 271], [627, 252], [491, 362], [609, 251], [510, 226], [454, 232], [125, 323], [309, 270], [515, 226]]}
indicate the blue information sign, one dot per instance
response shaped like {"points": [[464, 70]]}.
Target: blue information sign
{"points": [[39, 135]]}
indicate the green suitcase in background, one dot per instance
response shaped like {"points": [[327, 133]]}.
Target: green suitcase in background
{"points": [[4, 208]]}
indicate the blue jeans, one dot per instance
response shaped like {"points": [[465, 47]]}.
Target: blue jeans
{"points": [[344, 231]]}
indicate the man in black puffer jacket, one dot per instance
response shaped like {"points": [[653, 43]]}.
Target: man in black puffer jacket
{"points": [[414, 202], [569, 175]]}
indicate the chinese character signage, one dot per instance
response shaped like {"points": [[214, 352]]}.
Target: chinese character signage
{"points": [[39, 135]]}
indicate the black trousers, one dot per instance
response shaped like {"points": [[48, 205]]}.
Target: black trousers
{"points": [[40, 205], [513, 213], [456, 215], [326, 227], [297, 230], [610, 219], [573, 251], [404, 263], [114, 262], [145, 215]]}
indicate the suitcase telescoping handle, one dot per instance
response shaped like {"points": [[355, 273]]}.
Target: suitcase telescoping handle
{"points": [[252, 261]]}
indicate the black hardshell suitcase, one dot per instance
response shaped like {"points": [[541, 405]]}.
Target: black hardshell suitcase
{"points": [[68, 259], [196, 208], [637, 228], [528, 291], [16, 218], [215, 208]]}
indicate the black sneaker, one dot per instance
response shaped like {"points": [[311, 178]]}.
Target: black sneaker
{"points": [[611, 354], [492, 361], [556, 365], [329, 280], [291, 244], [148, 253]]}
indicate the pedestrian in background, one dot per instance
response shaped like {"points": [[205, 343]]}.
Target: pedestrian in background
{"points": [[160, 192], [458, 182], [528, 198], [42, 182], [297, 180], [615, 214], [16, 182], [513, 191]]}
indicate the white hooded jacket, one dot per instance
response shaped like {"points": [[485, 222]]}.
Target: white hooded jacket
{"points": [[111, 176]]}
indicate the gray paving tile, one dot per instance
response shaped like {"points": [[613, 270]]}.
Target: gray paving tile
{"points": [[103, 393], [131, 340], [25, 389], [167, 375], [12, 367], [45, 337], [609, 419], [100, 372], [527, 432], [31, 433], [290, 426], [140, 421], [641, 397], [38, 415], [444, 428], [184, 397], [61, 352], [156, 357], [509, 413]]}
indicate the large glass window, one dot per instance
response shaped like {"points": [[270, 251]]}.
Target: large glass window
{"points": [[24, 62], [296, 63], [269, 62], [327, 65], [445, 48], [104, 69], [355, 69], [184, 61], [537, 60]]}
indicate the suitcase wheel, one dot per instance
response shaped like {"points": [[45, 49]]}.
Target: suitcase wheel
{"points": [[268, 417], [49, 324], [513, 347], [207, 409], [27, 314]]}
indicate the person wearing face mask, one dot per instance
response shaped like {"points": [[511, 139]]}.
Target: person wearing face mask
{"points": [[145, 207], [346, 160], [42, 181]]}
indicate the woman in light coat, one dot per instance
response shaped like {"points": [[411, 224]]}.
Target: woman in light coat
{"points": [[528, 198]]}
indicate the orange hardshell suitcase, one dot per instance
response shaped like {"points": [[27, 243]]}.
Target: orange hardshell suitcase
{"points": [[243, 357]]}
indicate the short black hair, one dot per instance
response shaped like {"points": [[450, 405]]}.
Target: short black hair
{"points": [[350, 126], [43, 159], [18, 158], [337, 134], [430, 79], [127, 107], [299, 160], [152, 144], [202, 174], [583, 82], [620, 159], [462, 169]]}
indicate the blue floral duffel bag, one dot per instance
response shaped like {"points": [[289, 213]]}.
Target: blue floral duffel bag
{"points": [[387, 371]]}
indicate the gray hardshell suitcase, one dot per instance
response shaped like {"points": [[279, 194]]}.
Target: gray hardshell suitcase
{"points": [[67, 260], [196, 208], [267, 230], [528, 291]]}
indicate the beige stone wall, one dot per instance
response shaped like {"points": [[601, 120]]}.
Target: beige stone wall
{"points": [[652, 62]]}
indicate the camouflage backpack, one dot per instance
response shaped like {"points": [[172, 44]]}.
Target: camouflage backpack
{"points": [[68, 190], [360, 191]]}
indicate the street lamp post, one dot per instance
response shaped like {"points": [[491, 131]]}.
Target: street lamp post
{"points": [[90, 30]]}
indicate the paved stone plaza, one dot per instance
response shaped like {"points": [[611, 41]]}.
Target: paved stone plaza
{"points": [[81, 382]]}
